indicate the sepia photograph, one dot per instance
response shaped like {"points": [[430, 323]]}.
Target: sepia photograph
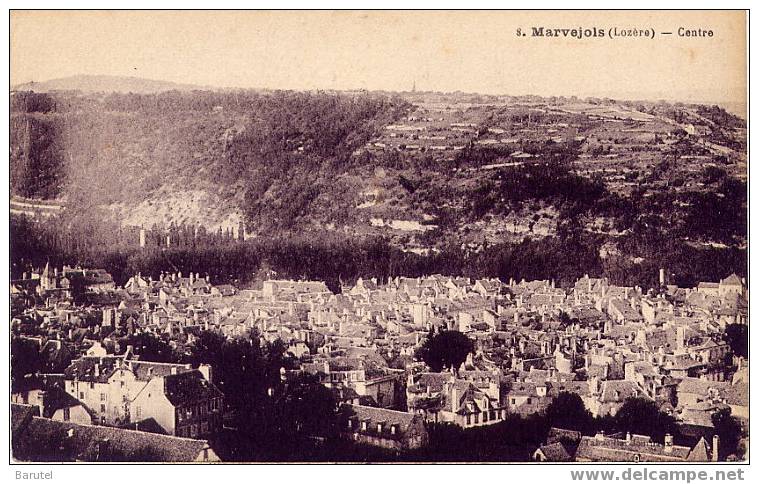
{"points": [[379, 236]]}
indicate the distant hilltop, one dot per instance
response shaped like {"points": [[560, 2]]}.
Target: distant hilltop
{"points": [[100, 83]]}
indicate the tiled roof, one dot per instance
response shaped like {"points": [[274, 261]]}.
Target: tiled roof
{"points": [[77, 443], [619, 390], [610, 449], [374, 416], [556, 452]]}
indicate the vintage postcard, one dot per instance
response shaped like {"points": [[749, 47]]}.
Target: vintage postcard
{"points": [[379, 236]]}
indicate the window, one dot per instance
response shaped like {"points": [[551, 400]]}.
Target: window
{"points": [[92, 385], [469, 419], [138, 411], [204, 427], [66, 414], [193, 430], [81, 395], [102, 408], [102, 397], [529, 400], [476, 418]]}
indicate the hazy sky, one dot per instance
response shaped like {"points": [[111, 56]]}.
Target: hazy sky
{"points": [[446, 51]]}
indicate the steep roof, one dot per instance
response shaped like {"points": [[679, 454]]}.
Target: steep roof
{"points": [[732, 280], [78, 442], [21, 415], [555, 452], [92, 368], [374, 416], [611, 449]]}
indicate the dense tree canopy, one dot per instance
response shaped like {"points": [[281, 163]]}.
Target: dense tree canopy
{"points": [[568, 411], [445, 350], [736, 336], [642, 416], [729, 431]]}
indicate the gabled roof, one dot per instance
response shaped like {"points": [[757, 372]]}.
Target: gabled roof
{"points": [[732, 280], [555, 452]]}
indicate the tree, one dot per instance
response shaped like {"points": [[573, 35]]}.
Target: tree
{"points": [[729, 431], [568, 411], [641, 416], [25, 360], [447, 349], [736, 336], [306, 407], [151, 348]]}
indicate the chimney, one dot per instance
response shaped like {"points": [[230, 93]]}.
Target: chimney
{"points": [[715, 448], [628, 438], [97, 369], [668, 443], [680, 332], [41, 401], [207, 371], [661, 277]]}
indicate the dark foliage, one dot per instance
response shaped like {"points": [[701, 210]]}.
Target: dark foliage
{"points": [[729, 431], [641, 416], [445, 350], [736, 335], [567, 411], [151, 348], [25, 360]]}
